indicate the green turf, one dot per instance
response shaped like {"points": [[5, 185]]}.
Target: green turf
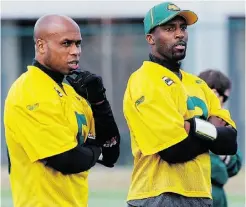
{"points": [[115, 198]]}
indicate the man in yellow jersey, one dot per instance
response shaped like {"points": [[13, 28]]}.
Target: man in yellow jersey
{"points": [[174, 119], [54, 132]]}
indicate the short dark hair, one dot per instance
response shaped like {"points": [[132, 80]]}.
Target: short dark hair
{"points": [[216, 80]]}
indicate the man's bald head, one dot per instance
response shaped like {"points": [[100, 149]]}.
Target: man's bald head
{"points": [[57, 43], [52, 24]]}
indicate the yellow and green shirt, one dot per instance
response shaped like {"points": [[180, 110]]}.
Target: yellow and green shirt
{"points": [[41, 120], [156, 104]]}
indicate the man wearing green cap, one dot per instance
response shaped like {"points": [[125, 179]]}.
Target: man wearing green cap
{"points": [[174, 119]]}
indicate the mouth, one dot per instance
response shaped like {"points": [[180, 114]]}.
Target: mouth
{"points": [[180, 46], [73, 64]]}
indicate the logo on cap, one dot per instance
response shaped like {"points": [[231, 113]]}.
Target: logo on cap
{"points": [[173, 7]]}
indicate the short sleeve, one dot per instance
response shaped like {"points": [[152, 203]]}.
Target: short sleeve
{"points": [[42, 129], [215, 108], [153, 120]]}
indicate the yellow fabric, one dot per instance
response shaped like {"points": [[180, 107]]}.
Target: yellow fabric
{"points": [[40, 121], [155, 106]]}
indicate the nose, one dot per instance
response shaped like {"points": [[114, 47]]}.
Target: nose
{"points": [[75, 50], [179, 33]]}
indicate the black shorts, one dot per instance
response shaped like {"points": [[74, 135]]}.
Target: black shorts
{"points": [[171, 200]]}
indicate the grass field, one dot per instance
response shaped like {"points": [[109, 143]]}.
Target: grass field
{"points": [[108, 188], [117, 199]]}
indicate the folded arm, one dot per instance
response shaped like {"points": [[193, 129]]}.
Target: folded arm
{"points": [[202, 136], [76, 160]]}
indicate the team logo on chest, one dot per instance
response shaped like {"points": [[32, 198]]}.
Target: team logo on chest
{"points": [[167, 80]]}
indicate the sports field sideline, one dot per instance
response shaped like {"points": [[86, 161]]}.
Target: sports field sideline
{"points": [[108, 187]]}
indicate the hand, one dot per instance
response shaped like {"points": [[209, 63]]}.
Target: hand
{"points": [[88, 85], [105, 163], [216, 121], [225, 158], [187, 127], [110, 152]]}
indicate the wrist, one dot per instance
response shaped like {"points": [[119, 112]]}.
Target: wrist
{"points": [[203, 129], [98, 103]]}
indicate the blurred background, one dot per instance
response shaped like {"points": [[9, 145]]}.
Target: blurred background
{"points": [[114, 46]]}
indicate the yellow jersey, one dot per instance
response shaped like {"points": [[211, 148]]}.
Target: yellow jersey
{"points": [[156, 104], [41, 120]]}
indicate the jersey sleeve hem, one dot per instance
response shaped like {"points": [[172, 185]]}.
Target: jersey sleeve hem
{"points": [[164, 146], [55, 152]]}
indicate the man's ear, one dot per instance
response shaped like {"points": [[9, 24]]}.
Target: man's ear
{"points": [[40, 46], [150, 39]]}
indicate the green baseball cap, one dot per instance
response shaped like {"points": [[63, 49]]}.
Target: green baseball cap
{"points": [[162, 13]]}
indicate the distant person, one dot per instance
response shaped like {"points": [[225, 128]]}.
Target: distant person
{"points": [[224, 166], [55, 133]]}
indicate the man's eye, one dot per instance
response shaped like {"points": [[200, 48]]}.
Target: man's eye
{"points": [[78, 44], [66, 44], [169, 29], [184, 28]]}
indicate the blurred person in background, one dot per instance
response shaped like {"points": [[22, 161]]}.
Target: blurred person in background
{"points": [[174, 119], [55, 133], [224, 166]]}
